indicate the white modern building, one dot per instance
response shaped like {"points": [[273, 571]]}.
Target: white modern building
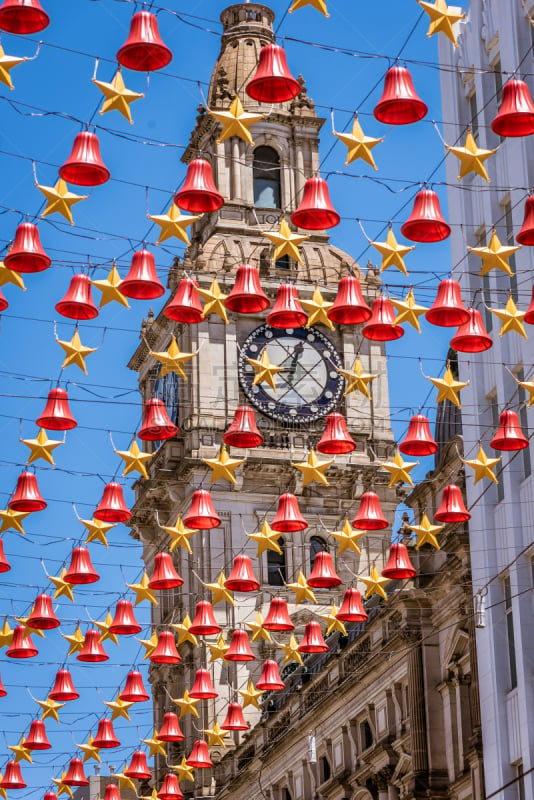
{"points": [[495, 41]]}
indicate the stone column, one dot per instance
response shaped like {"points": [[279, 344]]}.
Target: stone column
{"points": [[236, 169], [416, 705]]}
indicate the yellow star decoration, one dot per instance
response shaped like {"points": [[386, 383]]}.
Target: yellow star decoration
{"points": [[320, 5], [291, 651], [408, 311], [103, 627], [511, 319], [266, 539], [529, 387], [317, 309], [374, 584], [142, 591], [124, 782], [3, 792], [426, 533], [214, 301], [184, 632], [156, 747], [50, 708], [359, 145], [180, 535], [59, 200], [12, 520], [392, 252], [313, 469], [219, 649], [149, 644], [236, 122], [75, 352], [216, 736], [265, 370], [471, 157], [89, 750], [21, 753], [134, 459], [172, 360], [441, 19], [357, 379], [10, 276], [119, 708], [186, 704], [62, 788], [483, 466], [250, 695], [285, 242], [7, 63], [41, 447], [173, 223], [223, 466], [6, 634], [63, 587], [399, 470], [347, 538], [495, 255], [97, 530], [334, 624], [258, 631], [448, 388], [152, 796], [75, 640], [110, 289], [117, 97], [301, 588], [183, 770], [219, 591]]}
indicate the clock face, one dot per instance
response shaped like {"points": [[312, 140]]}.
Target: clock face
{"points": [[308, 387]]}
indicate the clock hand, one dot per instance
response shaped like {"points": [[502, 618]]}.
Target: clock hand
{"points": [[299, 348]]}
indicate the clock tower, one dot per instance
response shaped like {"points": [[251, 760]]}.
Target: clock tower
{"points": [[260, 184]]}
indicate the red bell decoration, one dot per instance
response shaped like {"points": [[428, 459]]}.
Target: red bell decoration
{"points": [[3, 302], [278, 618], [235, 720], [200, 757], [157, 424], [92, 651], [5, 566], [21, 645], [336, 439], [170, 730], [164, 575], [138, 769], [247, 296], [287, 311], [78, 302], [63, 690], [84, 166], [27, 254], [288, 518], [273, 82], [509, 435], [199, 194], [144, 50], [400, 103], [105, 735], [81, 570], [12, 777], [242, 578], [204, 623], [239, 649], [452, 508], [134, 690], [142, 282], [57, 414], [525, 236], [472, 336], [418, 440], [516, 114], [185, 305], [112, 507], [349, 307], [315, 212], [37, 738], [170, 788], [369, 516], [270, 680], [352, 609], [42, 617], [399, 566], [3, 692], [23, 17], [426, 222], [165, 651], [312, 641], [448, 310], [75, 775], [124, 622], [243, 431], [201, 516], [323, 574], [50, 796], [202, 688], [529, 316], [27, 497], [111, 793], [380, 327]]}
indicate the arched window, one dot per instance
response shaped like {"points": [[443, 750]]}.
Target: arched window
{"points": [[276, 566], [316, 545], [266, 176]]}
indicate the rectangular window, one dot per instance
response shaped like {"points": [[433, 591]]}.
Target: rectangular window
{"points": [[510, 241], [473, 113], [497, 75], [520, 780], [481, 241], [510, 632], [523, 419], [494, 408]]}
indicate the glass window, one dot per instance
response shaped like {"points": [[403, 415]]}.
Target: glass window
{"points": [[276, 566], [497, 74], [473, 111], [316, 546], [510, 632], [494, 408], [523, 419], [266, 177], [510, 241]]}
